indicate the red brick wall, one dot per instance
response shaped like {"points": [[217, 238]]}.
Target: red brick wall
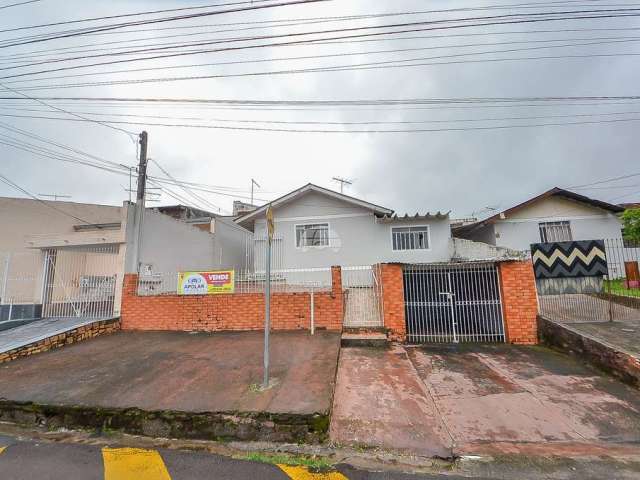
{"points": [[239, 311], [519, 302], [393, 301]]}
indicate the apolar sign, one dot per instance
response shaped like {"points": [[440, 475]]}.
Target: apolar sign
{"points": [[206, 283]]}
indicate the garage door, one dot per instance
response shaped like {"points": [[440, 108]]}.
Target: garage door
{"points": [[453, 303]]}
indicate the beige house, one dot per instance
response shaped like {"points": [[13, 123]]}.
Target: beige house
{"points": [[52, 254], [63, 259]]}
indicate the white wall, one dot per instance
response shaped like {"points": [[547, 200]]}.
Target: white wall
{"points": [[519, 235], [356, 237], [521, 228], [231, 244]]}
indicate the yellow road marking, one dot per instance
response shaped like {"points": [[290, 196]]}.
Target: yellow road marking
{"points": [[301, 473], [133, 464], [2, 449]]}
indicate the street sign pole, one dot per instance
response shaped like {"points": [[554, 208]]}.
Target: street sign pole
{"points": [[267, 299]]}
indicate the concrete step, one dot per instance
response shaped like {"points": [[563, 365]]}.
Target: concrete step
{"points": [[364, 339], [358, 330]]}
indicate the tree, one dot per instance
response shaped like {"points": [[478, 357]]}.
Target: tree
{"points": [[631, 224]]}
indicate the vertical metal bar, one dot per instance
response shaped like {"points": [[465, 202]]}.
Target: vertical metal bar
{"points": [[454, 321], [313, 319], [267, 319], [5, 279]]}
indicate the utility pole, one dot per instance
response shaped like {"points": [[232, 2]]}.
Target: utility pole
{"points": [[140, 194], [267, 297], [253, 182], [342, 182]]}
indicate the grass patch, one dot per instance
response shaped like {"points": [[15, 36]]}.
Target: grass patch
{"points": [[618, 287], [315, 463]]}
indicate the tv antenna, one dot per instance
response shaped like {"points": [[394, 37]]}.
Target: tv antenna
{"points": [[342, 182]]}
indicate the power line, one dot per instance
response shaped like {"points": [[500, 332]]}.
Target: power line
{"points": [[87, 119], [263, 25], [102, 28], [356, 102], [591, 41], [186, 189], [12, 184], [150, 12], [60, 145], [399, 122], [606, 181], [18, 4], [288, 130], [277, 44]]}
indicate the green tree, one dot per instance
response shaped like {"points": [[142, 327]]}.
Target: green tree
{"points": [[631, 224]]}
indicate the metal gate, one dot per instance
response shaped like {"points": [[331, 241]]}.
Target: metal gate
{"points": [[80, 282], [363, 296], [453, 303]]}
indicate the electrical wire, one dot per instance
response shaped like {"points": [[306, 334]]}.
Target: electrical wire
{"points": [[199, 198], [18, 4], [276, 44], [606, 181], [102, 28], [87, 119], [288, 130], [14, 185]]}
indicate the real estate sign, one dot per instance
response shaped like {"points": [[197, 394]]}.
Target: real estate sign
{"points": [[206, 283]]}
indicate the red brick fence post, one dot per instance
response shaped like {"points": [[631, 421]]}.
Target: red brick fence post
{"points": [[519, 302], [393, 300]]}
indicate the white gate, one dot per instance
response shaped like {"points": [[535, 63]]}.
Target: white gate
{"points": [[81, 282], [363, 296]]}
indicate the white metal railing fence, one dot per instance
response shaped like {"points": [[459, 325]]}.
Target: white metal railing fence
{"points": [[283, 280], [81, 281], [21, 277], [614, 296], [363, 296], [60, 282]]}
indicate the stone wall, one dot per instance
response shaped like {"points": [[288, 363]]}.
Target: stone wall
{"points": [[66, 338], [620, 364]]}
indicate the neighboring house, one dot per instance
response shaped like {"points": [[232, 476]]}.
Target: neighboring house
{"points": [[69, 259], [556, 215], [319, 228]]}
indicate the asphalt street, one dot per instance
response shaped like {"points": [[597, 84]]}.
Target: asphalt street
{"points": [[32, 460]]}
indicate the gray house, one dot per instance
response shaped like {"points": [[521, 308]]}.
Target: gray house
{"points": [[554, 216], [318, 228]]}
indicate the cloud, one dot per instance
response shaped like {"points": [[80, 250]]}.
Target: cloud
{"points": [[462, 171]]}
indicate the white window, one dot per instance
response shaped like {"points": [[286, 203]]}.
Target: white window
{"points": [[555, 231], [313, 235], [410, 238]]}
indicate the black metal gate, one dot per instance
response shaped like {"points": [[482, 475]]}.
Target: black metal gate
{"points": [[453, 303]]}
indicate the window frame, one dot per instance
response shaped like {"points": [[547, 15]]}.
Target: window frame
{"points": [[295, 235], [555, 223], [425, 226]]}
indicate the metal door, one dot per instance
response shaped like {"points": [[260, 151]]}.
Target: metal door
{"points": [[453, 303], [363, 296]]}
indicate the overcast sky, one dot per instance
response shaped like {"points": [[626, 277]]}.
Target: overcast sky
{"points": [[462, 171]]}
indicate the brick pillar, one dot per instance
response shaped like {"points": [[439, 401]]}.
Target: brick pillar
{"points": [[393, 301], [338, 294], [129, 297], [519, 302]]}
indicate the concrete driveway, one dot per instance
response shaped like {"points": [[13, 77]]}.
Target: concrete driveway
{"points": [[481, 399], [181, 372]]}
